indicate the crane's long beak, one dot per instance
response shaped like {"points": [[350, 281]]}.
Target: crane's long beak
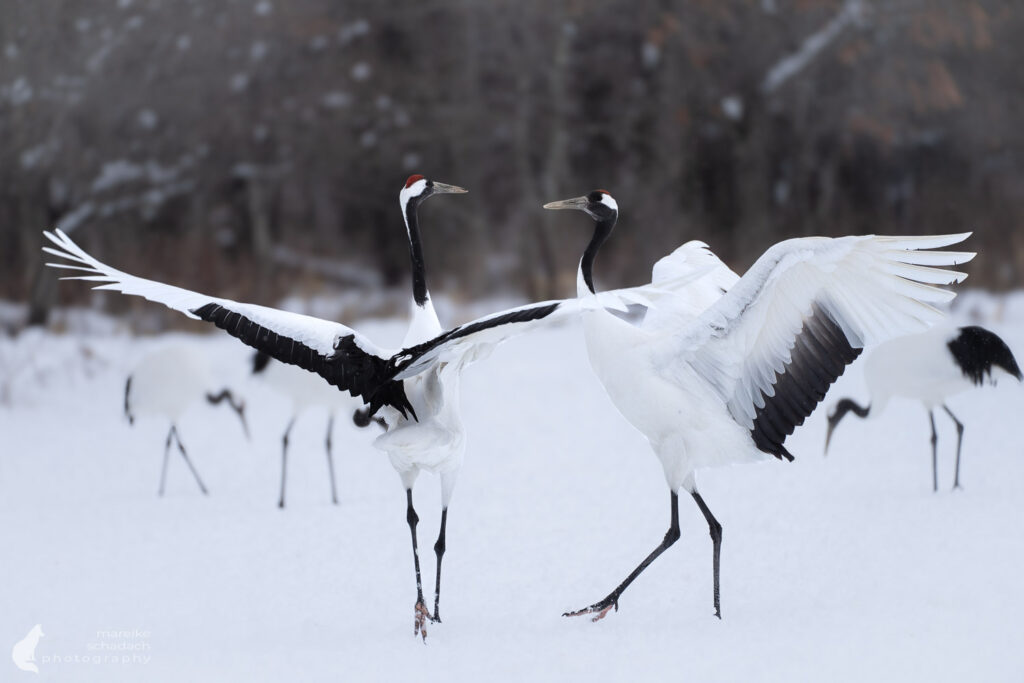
{"points": [[833, 420], [579, 203], [442, 188], [240, 410]]}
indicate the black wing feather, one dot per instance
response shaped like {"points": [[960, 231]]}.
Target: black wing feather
{"points": [[410, 355], [818, 357], [350, 368]]}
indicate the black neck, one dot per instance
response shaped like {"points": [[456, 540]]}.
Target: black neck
{"points": [[419, 271], [602, 229]]}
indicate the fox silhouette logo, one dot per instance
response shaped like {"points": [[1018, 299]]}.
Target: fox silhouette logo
{"points": [[24, 652]]}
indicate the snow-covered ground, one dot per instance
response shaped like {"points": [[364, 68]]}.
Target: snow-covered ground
{"points": [[846, 568]]}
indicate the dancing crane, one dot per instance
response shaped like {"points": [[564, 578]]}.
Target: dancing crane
{"points": [[424, 429], [739, 364]]}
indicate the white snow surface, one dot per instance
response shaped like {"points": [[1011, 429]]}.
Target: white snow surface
{"points": [[846, 568]]}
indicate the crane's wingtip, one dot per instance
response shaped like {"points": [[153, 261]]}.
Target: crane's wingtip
{"points": [[53, 237], [953, 238]]}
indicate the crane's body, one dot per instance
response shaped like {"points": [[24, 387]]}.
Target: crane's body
{"points": [[923, 367], [435, 443], [930, 368], [435, 440], [676, 410], [165, 384]]}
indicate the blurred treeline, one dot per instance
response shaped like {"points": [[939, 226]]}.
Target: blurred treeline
{"points": [[247, 147]]}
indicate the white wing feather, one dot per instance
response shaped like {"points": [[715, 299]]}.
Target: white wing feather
{"points": [[873, 287], [476, 339], [696, 277], [320, 335]]}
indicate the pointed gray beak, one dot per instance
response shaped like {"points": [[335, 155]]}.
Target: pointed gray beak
{"points": [[578, 203], [442, 188], [245, 424]]}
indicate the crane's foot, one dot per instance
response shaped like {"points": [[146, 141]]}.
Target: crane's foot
{"points": [[958, 487], [598, 609], [421, 619]]}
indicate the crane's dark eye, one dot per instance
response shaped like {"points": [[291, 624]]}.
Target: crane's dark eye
{"points": [[595, 197]]}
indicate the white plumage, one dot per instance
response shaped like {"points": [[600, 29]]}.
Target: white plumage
{"points": [[930, 367], [726, 376], [709, 378], [167, 382]]}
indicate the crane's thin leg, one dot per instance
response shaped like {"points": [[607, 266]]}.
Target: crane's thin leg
{"points": [[284, 459], [439, 551], [959, 442], [330, 460], [935, 457], [716, 539], [612, 599], [420, 610], [167, 457], [181, 447]]}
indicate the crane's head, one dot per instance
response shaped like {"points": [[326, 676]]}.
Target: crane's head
{"points": [[417, 188], [599, 204]]}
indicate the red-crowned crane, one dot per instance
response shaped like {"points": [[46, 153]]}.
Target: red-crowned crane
{"points": [[424, 427], [738, 364], [930, 367]]}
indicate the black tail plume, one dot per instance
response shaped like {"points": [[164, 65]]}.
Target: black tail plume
{"points": [[260, 361], [976, 351]]}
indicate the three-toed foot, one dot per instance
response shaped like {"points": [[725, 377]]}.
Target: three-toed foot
{"points": [[598, 609], [422, 616]]}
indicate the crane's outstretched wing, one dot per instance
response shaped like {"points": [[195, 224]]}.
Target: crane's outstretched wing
{"points": [[474, 340], [339, 354], [775, 342]]}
